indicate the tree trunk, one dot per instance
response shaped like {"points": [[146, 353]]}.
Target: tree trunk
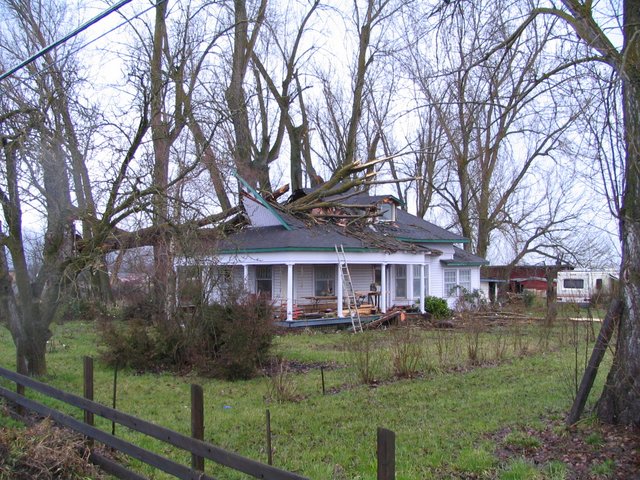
{"points": [[620, 400], [552, 306], [160, 133]]}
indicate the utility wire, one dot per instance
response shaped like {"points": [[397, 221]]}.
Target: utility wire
{"points": [[102, 35], [67, 37]]}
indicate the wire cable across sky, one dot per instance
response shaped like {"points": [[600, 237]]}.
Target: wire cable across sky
{"points": [[64, 39]]}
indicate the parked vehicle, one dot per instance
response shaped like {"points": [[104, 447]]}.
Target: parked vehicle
{"points": [[585, 286]]}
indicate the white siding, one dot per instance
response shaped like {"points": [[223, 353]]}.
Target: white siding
{"points": [[362, 277], [259, 215], [436, 278], [279, 280], [304, 283]]}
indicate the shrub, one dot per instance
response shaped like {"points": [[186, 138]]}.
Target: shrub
{"points": [[471, 300], [406, 351], [528, 298], [362, 355], [229, 340], [281, 387], [241, 332], [437, 307]]}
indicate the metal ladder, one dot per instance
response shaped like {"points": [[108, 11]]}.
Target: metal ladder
{"points": [[347, 284]]}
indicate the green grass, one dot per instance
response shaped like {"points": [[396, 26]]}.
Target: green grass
{"points": [[522, 440], [520, 469], [605, 469], [555, 470], [443, 419]]}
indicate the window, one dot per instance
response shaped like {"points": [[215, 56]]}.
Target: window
{"points": [[576, 283], [221, 278], [416, 281], [264, 280], [457, 281], [450, 283], [464, 279], [324, 280], [401, 281], [377, 275], [387, 212]]}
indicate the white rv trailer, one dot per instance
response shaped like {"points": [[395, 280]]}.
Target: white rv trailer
{"points": [[584, 286]]}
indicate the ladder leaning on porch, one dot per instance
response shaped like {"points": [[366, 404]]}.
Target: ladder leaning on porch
{"points": [[352, 304]]}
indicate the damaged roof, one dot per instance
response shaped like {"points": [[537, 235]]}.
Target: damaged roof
{"points": [[288, 232]]}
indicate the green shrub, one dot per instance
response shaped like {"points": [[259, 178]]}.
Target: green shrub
{"points": [[241, 332], [437, 307], [229, 340], [528, 298]]}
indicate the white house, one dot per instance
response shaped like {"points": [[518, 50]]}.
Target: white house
{"points": [[393, 258]]}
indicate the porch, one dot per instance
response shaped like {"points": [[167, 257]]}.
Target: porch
{"points": [[317, 291]]}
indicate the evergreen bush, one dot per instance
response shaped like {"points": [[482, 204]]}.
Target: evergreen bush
{"points": [[437, 307]]}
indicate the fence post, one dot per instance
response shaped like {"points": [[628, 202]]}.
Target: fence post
{"points": [[22, 370], [386, 452], [197, 422], [115, 396], [87, 368], [269, 449], [87, 364]]}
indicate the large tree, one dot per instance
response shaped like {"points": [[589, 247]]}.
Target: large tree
{"points": [[620, 399], [43, 163]]}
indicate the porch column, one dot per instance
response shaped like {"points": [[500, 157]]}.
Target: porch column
{"points": [[383, 288], [421, 294], [245, 273], [289, 292], [339, 290]]}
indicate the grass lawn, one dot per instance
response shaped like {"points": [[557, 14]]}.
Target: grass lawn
{"points": [[465, 386]]}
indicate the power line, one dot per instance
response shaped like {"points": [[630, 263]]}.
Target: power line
{"points": [[113, 29], [67, 37]]}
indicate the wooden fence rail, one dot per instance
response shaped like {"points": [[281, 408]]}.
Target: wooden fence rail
{"points": [[199, 449], [196, 447]]}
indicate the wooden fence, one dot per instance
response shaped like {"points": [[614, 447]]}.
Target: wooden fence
{"points": [[200, 450]]}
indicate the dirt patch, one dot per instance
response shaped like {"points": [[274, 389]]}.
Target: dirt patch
{"points": [[589, 450], [278, 366]]}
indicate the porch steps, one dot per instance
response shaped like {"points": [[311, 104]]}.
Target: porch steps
{"points": [[352, 303]]}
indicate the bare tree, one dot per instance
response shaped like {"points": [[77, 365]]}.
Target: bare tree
{"points": [[620, 400], [43, 163], [490, 110]]}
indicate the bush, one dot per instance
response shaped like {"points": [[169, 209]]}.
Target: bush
{"points": [[229, 340], [528, 298], [406, 351], [240, 332], [471, 300], [437, 307]]}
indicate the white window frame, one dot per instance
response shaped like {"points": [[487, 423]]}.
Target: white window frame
{"points": [[416, 281], [387, 212], [452, 290], [330, 279], [268, 278], [464, 284]]}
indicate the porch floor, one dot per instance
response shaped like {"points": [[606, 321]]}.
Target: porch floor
{"points": [[325, 322]]}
